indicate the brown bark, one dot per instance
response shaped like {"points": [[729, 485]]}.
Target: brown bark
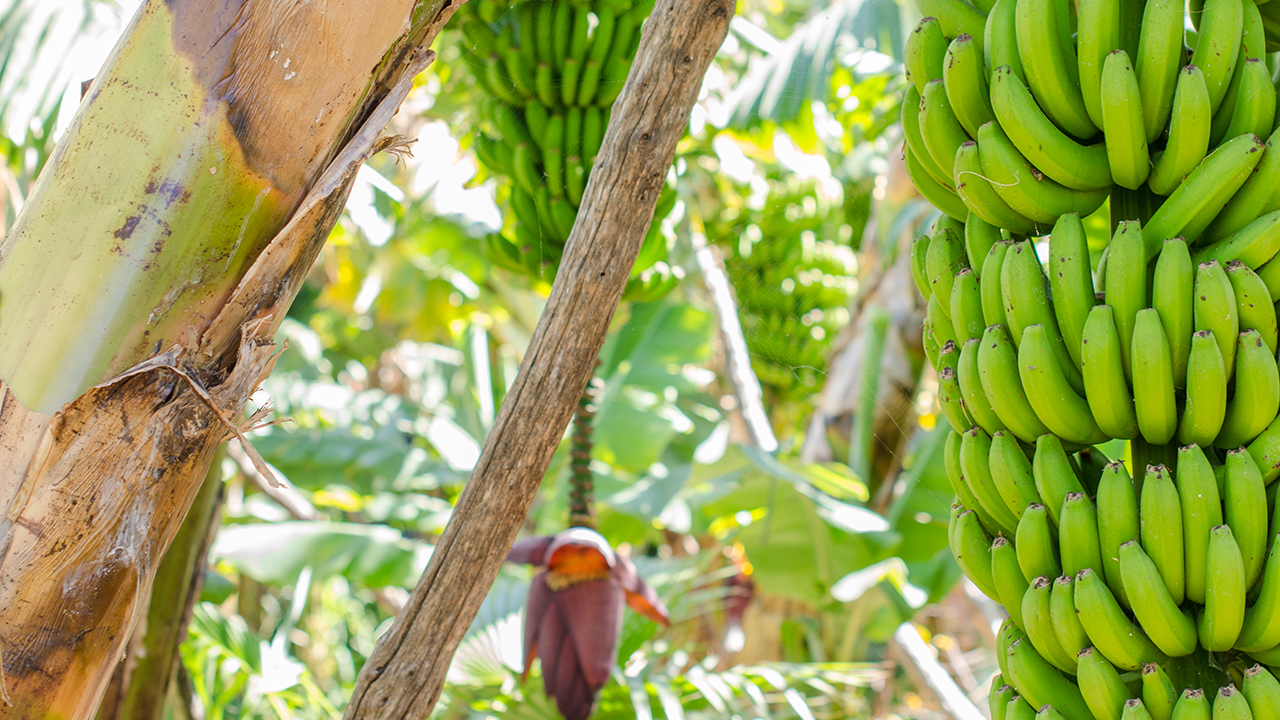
{"points": [[405, 674]]}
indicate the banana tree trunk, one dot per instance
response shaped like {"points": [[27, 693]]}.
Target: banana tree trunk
{"points": [[140, 289]]}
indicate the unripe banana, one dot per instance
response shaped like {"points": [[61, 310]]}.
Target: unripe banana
{"points": [[919, 250], [1122, 123], [1259, 196], [1262, 692], [1223, 616], [1231, 705], [1051, 66], [1134, 709], [1206, 399], [1071, 282], [966, 306], [971, 547], [1104, 377], [1216, 310], [1055, 478], [1025, 189], [1001, 38], [1005, 637], [1019, 709], [1192, 705], [966, 82], [1100, 683], [1118, 523], [1078, 540], [1099, 34], [1011, 472], [945, 258], [1188, 141], [1158, 693], [976, 403], [1039, 625], [1049, 712], [1160, 56], [1255, 108], [1066, 623], [1161, 530], [1040, 683], [1218, 45], [1126, 282], [1203, 193], [975, 449], [1171, 296], [1049, 391], [999, 697], [938, 195], [979, 237], [1113, 634], [1171, 629], [1261, 628], [1270, 274], [1245, 500], [1254, 304], [998, 366], [955, 476], [1037, 545], [1255, 244], [1201, 511], [943, 135], [1265, 450], [1026, 302], [1153, 385], [1006, 575], [992, 299], [1257, 393], [956, 16]]}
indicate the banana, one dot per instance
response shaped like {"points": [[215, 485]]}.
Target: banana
{"points": [[1169, 627], [1078, 540], [1005, 637], [1204, 191], [955, 475], [976, 403], [966, 306], [1122, 122], [1270, 274], [1245, 500], [979, 237], [1001, 38], [1153, 384], [1099, 34], [1255, 107], [992, 299], [1223, 616], [1036, 544], [1262, 692], [1054, 475], [998, 367], [1259, 196], [1050, 64], [1255, 244], [1254, 305], [1265, 450], [981, 198], [1049, 712], [1011, 472], [1192, 705], [1019, 709], [999, 697], [943, 135], [1216, 310], [1159, 58], [1025, 190], [971, 547], [1231, 705], [1112, 632], [1053, 152], [1218, 45], [1257, 393], [1100, 683], [965, 79], [1261, 628], [975, 449], [938, 195], [1050, 393], [1135, 709], [943, 261], [594, 124], [561, 30], [553, 155], [1171, 297], [1041, 683], [1066, 624], [1104, 380], [1126, 283], [1158, 693], [1026, 302], [1188, 131], [1160, 515], [1201, 511], [1118, 523], [1006, 576], [1206, 399], [1071, 283], [956, 17], [1039, 625], [919, 273]]}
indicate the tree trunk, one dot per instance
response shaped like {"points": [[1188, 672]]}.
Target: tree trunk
{"points": [[180, 212]]}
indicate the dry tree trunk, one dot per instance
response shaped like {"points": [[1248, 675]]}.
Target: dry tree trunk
{"points": [[180, 213]]}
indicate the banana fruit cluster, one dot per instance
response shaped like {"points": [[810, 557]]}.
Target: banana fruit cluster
{"points": [[551, 70]]}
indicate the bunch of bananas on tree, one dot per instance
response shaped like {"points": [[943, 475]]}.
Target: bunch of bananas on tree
{"points": [[552, 70], [1144, 584]]}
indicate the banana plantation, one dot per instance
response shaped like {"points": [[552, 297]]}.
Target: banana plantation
{"points": [[525, 359]]}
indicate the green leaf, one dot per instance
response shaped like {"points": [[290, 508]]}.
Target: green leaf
{"points": [[276, 553]]}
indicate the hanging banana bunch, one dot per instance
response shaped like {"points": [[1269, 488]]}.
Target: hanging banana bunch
{"points": [[551, 70]]}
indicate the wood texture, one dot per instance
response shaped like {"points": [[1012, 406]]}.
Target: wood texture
{"points": [[404, 677]]}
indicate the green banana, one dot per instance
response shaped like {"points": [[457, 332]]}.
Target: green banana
{"points": [[1244, 498], [1126, 283], [1160, 515], [1258, 196], [981, 198], [943, 135], [1041, 683], [1192, 705], [1169, 627], [1255, 107], [979, 237], [1203, 193], [1054, 475], [1006, 576], [1270, 274], [999, 697], [1257, 393], [998, 367], [562, 28], [1159, 58], [1117, 523], [1206, 398], [1019, 709], [1050, 393], [1078, 541], [1122, 123], [1231, 705], [966, 306], [1036, 544], [966, 83], [1254, 245], [1201, 511], [1005, 637], [1171, 296], [1112, 632], [1158, 693], [1261, 628], [1011, 472], [919, 273], [944, 259], [1153, 384], [1099, 34], [1100, 683], [1066, 624], [1223, 615], [1053, 152], [1026, 302], [956, 16], [1001, 38], [1025, 190], [955, 475], [939, 195], [992, 299], [1265, 450], [1039, 625], [1049, 712], [1050, 64], [1262, 692], [1071, 283], [1254, 305], [1218, 45], [976, 403], [971, 547], [1135, 709], [1216, 310], [1188, 131], [975, 449], [1104, 379]]}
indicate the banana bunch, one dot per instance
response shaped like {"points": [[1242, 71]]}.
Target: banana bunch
{"points": [[552, 69]]}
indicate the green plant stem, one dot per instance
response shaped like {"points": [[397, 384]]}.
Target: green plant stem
{"points": [[1127, 204], [582, 489]]}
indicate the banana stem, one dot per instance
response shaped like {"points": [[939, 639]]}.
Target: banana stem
{"points": [[582, 490], [1127, 204], [1143, 455]]}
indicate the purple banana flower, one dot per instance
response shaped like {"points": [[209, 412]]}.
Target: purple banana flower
{"points": [[573, 616]]}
